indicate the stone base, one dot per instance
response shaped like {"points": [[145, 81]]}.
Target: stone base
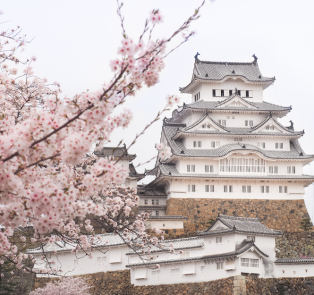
{"points": [[285, 215]]}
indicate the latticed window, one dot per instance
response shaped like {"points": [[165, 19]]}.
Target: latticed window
{"points": [[242, 165], [254, 263], [245, 261]]}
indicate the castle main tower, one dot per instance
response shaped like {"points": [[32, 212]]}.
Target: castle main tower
{"points": [[230, 153]]}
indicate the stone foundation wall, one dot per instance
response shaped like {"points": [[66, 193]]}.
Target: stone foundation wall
{"points": [[285, 215], [281, 286], [118, 283], [296, 244]]}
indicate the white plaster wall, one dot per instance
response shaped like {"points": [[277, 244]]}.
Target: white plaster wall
{"points": [[208, 273], [200, 166], [85, 265], [294, 270], [149, 201], [164, 224], [179, 189], [212, 247], [270, 143], [207, 93]]}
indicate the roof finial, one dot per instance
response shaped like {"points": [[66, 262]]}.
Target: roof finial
{"points": [[196, 56], [270, 115], [255, 59], [291, 126]]}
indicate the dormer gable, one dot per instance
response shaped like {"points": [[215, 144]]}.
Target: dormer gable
{"points": [[236, 101], [270, 125], [205, 123], [218, 225]]}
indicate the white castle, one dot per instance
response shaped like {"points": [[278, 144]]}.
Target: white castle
{"points": [[227, 143]]}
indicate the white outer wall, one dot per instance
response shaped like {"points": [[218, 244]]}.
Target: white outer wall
{"points": [[85, 265], [294, 270], [179, 189], [164, 224]]}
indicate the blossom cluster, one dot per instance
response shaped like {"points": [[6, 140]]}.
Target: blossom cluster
{"points": [[46, 179]]}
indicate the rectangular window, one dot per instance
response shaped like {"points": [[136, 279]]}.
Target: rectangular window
{"points": [[203, 126], [271, 169], [207, 188], [212, 188], [262, 189], [237, 139], [214, 93], [245, 262], [193, 188], [157, 202], [230, 188], [254, 263], [157, 213], [267, 189], [289, 169], [276, 169], [243, 189], [188, 168], [280, 190], [286, 189], [239, 92], [153, 202], [293, 169], [225, 188], [247, 93], [223, 122], [175, 270], [189, 188], [202, 268], [155, 272], [218, 239], [248, 189], [192, 168], [104, 259], [219, 265], [246, 123], [206, 168], [276, 145], [230, 92], [194, 143], [145, 202], [251, 123], [281, 146], [217, 143], [98, 259], [219, 122], [213, 144], [211, 170], [199, 144], [263, 145], [222, 93]]}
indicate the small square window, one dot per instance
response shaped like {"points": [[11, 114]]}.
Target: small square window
{"points": [[219, 265], [213, 144], [218, 240]]}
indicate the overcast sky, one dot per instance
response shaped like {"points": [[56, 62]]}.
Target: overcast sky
{"points": [[74, 41]]}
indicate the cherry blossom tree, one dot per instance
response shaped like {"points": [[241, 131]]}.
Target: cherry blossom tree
{"points": [[64, 286], [46, 180]]}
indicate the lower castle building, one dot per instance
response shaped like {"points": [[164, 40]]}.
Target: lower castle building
{"points": [[231, 246]]}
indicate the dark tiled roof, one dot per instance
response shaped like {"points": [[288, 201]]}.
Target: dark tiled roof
{"points": [[170, 170], [244, 246], [144, 192], [133, 173], [295, 260], [179, 149], [152, 207], [234, 130], [218, 71], [241, 225], [178, 244], [115, 152], [216, 105]]}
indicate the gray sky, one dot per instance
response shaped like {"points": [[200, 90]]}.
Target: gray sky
{"points": [[75, 40]]}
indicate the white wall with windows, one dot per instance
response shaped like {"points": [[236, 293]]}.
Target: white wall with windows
{"points": [[233, 189], [103, 260]]}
